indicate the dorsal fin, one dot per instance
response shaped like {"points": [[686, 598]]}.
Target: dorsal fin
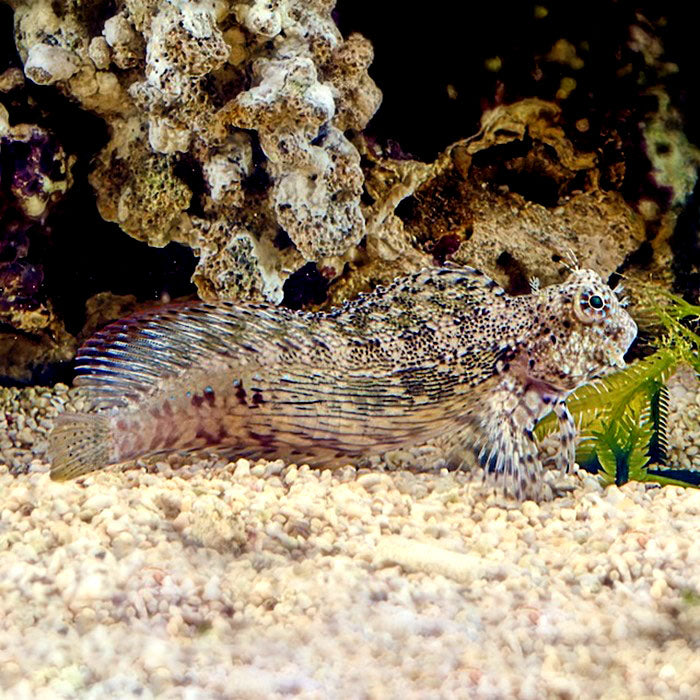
{"points": [[456, 274], [128, 359], [425, 287]]}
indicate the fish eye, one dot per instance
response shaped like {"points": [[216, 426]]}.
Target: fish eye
{"points": [[591, 307]]}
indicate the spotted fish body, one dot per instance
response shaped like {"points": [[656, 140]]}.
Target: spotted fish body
{"points": [[443, 353]]}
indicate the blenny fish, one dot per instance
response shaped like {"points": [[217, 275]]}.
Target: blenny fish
{"points": [[443, 353]]}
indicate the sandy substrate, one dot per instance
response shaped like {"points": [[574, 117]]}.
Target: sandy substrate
{"points": [[267, 580]]}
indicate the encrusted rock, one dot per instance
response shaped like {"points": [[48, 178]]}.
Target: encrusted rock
{"points": [[144, 195], [104, 307], [34, 175], [36, 171], [46, 64], [513, 200], [126, 44], [232, 258]]}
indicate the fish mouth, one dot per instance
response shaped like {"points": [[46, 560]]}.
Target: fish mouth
{"points": [[614, 352], [612, 355], [617, 359]]}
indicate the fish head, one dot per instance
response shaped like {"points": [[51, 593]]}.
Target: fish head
{"points": [[582, 331]]}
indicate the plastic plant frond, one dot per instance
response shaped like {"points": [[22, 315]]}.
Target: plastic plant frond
{"points": [[670, 312], [620, 450], [606, 400], [658, 444]]}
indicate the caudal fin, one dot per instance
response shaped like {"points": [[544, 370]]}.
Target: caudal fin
{"points": [[79, 443]]}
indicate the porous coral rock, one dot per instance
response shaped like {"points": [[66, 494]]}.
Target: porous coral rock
{"points": [[9, 80], [37, 171], [227, 168], [356, 95], [127, 46], [47, 64], [262, 18], [665, 197], [319, 206], [142, 194], [216, 109], [240, 260], [184, 41], [317, 179], [103, 307], [99, 52]]}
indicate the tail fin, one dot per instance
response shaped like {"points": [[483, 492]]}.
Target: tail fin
{"points": [[79, 443]]}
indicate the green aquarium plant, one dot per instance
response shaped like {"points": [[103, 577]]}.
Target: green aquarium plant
{"points": [[622, 418]]}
